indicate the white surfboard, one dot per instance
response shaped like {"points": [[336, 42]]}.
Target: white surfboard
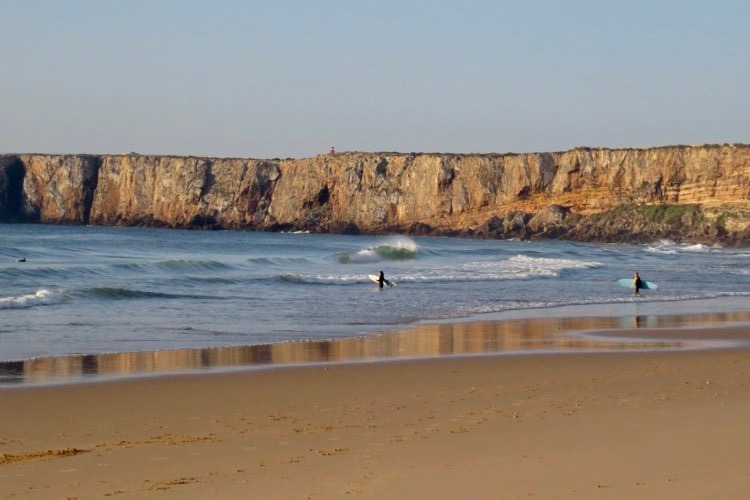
{"points": [[376, 279]]}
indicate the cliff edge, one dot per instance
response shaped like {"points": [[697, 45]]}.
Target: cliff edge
{"points": [[685, 193]]}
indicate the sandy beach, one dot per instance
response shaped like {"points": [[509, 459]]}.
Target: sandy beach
{"points": [[644, 424]]}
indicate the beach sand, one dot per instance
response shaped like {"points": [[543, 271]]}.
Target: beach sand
{"points": [[646, 424]]}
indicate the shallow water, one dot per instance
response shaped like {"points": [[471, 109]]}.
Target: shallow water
{"points": [[524, 336]]}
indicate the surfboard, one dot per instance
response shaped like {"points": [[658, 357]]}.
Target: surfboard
{"points": [[376, 279], [645, 285]]}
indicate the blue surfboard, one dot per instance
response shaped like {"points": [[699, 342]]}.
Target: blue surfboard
{"points": [[645, 285]]}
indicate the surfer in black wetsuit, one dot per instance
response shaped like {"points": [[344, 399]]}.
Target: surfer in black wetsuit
{"points": [[637, 284], [381, 279]]}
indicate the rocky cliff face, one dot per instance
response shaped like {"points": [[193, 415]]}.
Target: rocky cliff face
{"points": [[697, 193]]}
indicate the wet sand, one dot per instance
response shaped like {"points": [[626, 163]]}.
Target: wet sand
{"points": [[637, 424]]}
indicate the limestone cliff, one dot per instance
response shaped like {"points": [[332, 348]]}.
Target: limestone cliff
{"points": [[692, 193]]}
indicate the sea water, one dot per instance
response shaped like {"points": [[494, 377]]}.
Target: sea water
{"points": [[92, 290]]}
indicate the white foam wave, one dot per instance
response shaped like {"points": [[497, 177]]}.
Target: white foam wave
{"points": [[662, 250], [41, 297], [335, 280], [543, 266], [668, 247], [364, 256], [696, 248], [516, 268]]}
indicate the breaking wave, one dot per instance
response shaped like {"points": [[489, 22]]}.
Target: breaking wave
{"points": [[398, 249], [41, 297]]}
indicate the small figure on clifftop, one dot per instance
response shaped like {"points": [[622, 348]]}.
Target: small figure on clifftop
{"points": [[333, 150]]}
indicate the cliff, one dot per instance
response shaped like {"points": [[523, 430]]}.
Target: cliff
{"points": [[687, 193]]}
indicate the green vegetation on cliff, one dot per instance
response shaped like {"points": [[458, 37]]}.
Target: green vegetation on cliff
{"points": [[641, 223]]}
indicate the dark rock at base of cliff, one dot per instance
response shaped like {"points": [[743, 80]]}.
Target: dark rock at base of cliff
{"points": [[494, 225], [742, 237], [205, 222], [515, 225], [549, 220], [343, 228], [421, 229], [645, 223], [280, 228]]}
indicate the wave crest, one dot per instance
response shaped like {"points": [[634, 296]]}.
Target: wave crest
{"points": [[114, 293], [397, 249], [544, 266], [322, 280], [179, 265], [41, 297]]}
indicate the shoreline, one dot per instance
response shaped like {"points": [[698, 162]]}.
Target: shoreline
{"points": [[471, 337], [636, 424]]}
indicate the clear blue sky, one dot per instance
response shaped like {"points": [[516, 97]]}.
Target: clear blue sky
{"points": [[291, 78]]}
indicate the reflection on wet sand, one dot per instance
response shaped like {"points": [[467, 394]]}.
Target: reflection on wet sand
{"points": [[426, 340]]}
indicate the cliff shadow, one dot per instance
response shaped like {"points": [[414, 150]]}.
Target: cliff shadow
{"points": [[12, 174], [92, 165]]}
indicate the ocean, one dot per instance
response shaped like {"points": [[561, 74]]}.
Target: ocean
{"points": [[86, 291]]}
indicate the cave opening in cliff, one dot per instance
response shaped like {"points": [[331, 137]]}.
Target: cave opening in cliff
{"points": [[319, 199], [11, 189], [323, 196]]}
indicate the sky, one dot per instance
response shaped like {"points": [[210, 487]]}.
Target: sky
{"points": [[293, 78]]}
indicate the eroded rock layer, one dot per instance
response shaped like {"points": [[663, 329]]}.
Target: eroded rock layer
{"points": [[687, 193]]}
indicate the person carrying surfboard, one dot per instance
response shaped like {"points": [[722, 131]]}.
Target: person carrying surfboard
{"points": [[380, 280], [637, 284]]}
